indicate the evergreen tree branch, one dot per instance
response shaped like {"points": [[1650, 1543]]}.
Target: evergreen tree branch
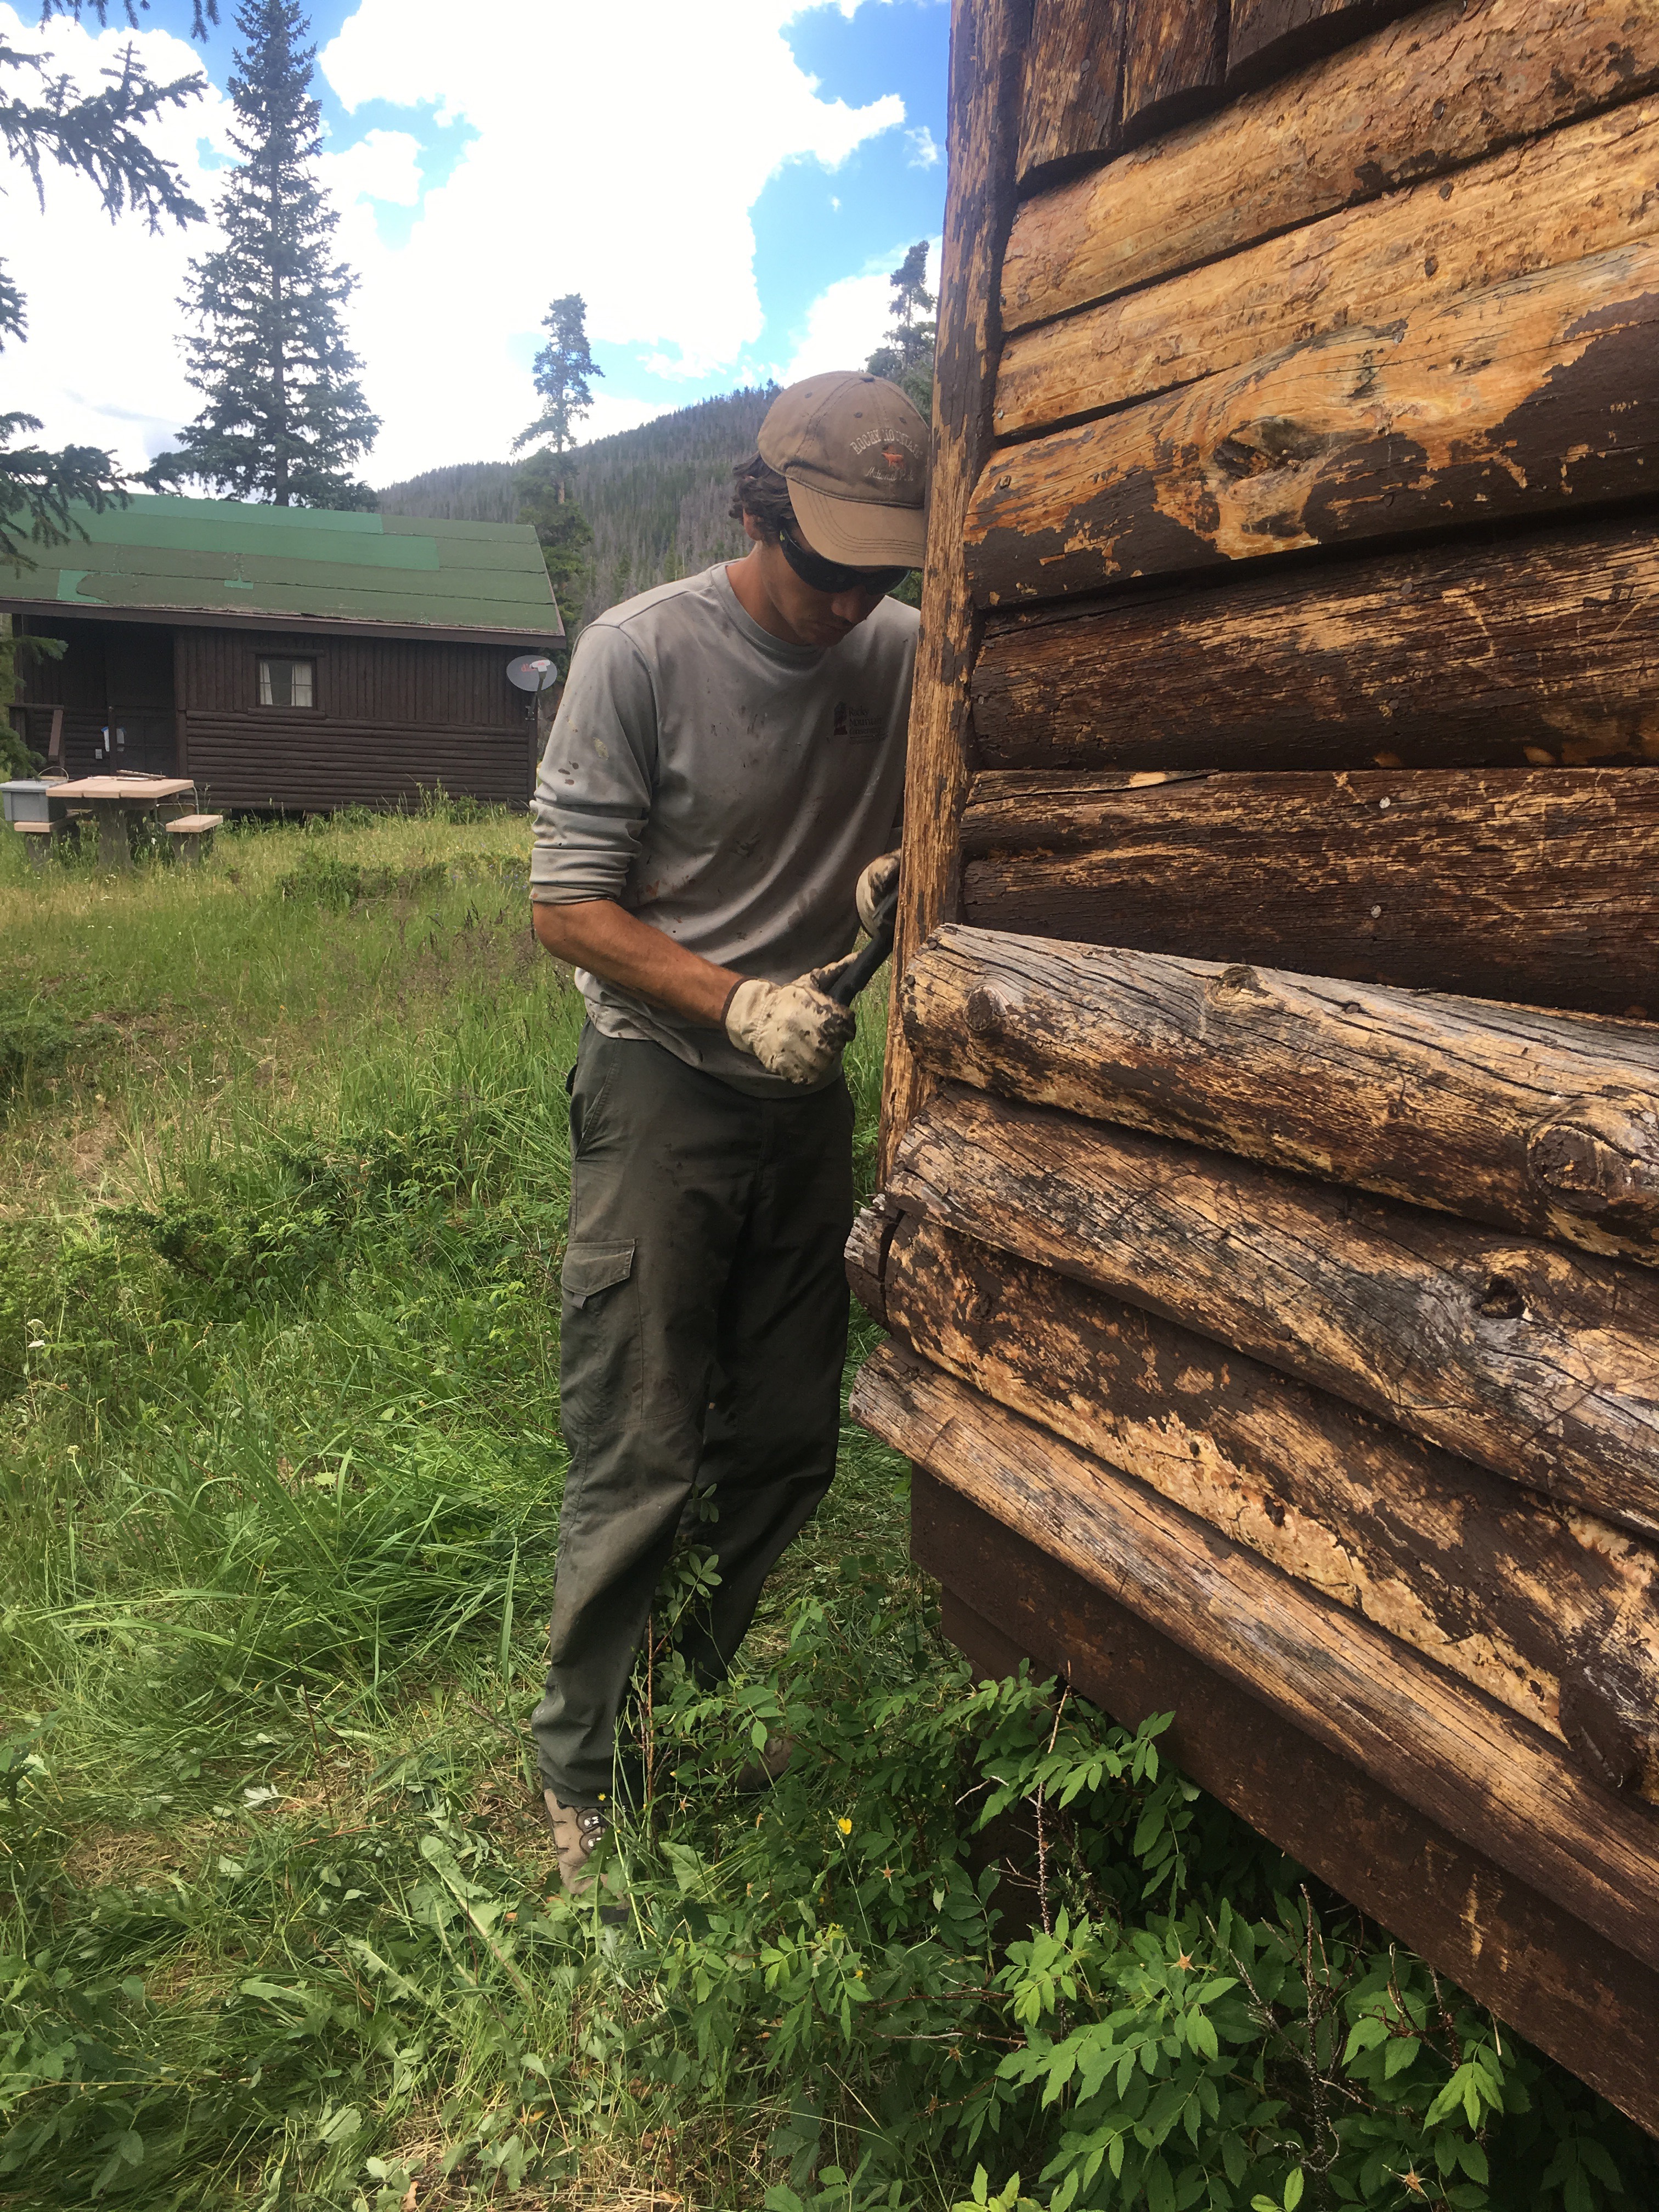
{"points": [[203, 12], [96, 136], [13, 320], [37, 488]]}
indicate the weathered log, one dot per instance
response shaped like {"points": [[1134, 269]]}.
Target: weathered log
{"points": [[988, 43], [1174, 57], [1572, 193], [1539, 1366], [1583, 2000], [1444, 1747], [1446, 86], [1552, 1612], [1537, 1123], [1540, 885], [1540, 649], [1526, 399], [1068, 106], [1267, 38]]}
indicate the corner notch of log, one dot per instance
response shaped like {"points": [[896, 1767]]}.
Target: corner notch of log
{"points": [[866, 1254], [1598, 1159]]}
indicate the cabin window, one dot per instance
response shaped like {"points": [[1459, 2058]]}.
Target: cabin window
{"points": [[287, 683]]}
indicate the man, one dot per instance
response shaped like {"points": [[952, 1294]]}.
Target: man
{"points": [[715, 812]]}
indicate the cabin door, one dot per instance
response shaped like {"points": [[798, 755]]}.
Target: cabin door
{"points": [[140, 739]]}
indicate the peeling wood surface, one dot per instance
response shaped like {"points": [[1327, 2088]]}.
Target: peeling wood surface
{"points": [[1446, 87], [1542, 649], [1539, 1365], [1583, 2000], [1539, 885], [1559, 198], [1267, 38], [1543, 1123], [1359, 1692], [1174, 57], [1551, 1612], [1068, 104], [1526, 399], [988, 42]]}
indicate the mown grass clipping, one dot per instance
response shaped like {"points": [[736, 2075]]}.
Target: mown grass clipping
{"points": [[286, 1175]]}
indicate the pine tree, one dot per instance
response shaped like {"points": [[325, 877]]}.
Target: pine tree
{"points": [[563, 369], [563, 533], [285, 417], [905, 356]]}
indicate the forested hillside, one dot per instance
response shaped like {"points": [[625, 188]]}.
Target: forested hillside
{"points": [[656, 497]]}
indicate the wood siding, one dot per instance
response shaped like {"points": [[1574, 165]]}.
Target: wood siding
{"points": [[392, 716], [244, 763], [397, 684]]}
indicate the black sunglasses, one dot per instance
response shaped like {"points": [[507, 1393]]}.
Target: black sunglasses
{"points": [[829, 576]]}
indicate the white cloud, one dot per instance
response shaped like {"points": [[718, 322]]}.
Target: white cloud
{"points": [[847, 322], [383, 165], [590, 170], [925, 151]]}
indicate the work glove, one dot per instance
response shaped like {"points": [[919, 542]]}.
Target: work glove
{"points": [[877, 882], [794, 1030]]}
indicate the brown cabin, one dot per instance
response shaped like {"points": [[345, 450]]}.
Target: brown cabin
{"points": [[1271, 1205], [286, 658]]}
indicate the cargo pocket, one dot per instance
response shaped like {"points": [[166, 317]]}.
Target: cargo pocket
{"points": [[591, 1268], [601, 1353]]}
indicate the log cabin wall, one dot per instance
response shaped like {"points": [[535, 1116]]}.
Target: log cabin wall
{"points": [[391, 716], [79, 684], [1270, 1219]]}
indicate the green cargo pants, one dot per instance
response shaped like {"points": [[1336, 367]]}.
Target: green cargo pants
{"points": [[704, 1334]]}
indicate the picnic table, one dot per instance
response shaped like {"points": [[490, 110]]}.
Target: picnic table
{"points": [[112, 799]]}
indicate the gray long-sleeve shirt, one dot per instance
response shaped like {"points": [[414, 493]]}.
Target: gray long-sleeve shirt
{"points": [[726, 787]]}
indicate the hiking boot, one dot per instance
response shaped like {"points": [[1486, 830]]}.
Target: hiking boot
{"points": [[578, 1832], [760, 1772]]}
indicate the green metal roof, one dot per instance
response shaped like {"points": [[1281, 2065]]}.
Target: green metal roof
{"points": [[230, 558]]}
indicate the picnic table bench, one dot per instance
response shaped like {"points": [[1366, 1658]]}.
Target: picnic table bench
{"points": [[111, 800], [193, 834]]}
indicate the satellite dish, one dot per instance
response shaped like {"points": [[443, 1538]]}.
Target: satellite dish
{"points": [[534, 671]]}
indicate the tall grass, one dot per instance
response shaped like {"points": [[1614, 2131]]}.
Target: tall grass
{"points": [[280, 1469]]}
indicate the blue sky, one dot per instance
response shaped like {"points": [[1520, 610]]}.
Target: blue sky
{"points": [[728, 182]]}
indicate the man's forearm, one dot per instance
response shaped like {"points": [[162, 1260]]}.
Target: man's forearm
{"points": [[600, 935]]}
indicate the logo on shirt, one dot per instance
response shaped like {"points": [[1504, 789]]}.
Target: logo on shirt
{"points": [[859, 725]]}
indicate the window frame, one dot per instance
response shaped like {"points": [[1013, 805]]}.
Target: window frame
{"points": [[262, 659]]}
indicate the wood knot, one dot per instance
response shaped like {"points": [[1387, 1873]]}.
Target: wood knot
{"points": [[1502, 1299], [1272, 441], [983, 1013], [1232, 984]]}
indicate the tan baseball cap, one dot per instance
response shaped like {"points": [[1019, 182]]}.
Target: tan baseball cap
{"points": [[854, 450]]}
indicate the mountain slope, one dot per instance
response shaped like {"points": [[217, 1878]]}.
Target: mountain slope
{"points": [[656, 497]]}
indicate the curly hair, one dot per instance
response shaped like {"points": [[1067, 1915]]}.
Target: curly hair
{"points": [[761, 492]]}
